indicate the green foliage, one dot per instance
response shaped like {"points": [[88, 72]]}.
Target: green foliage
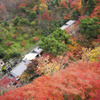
{"points": [[16, 20], [22, 8], [0, 22], [6, 23], [91, 5], [11, 53], [52, 46], [84, 2], [37, 10], [60, 36], [24, 21], [75, 14], [56, 43], [89, 27], [49, 11], [2, 52], [5, 31], [88, 6], [1, 38], [33, 23], [15, 54], [6, 57], [26, 36], [57, 2], [32, 16], [3, 67], [27, 12]]}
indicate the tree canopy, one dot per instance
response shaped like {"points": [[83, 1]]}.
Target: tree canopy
{"points": [[78, 81], [55, 43], [89, 27]]}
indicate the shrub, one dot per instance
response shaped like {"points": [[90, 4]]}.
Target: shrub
{"points": [[14, 37], [32, 16], [22, 9], [2, 52], [76, 49], [0, 22], [16, 20], [24, 22], [35, 39], [26, 36], [9, 44], [22, 49], [23, 43], [1, 38], [6, 23], [33, 23], [15, 54], [75, 14], [27, 12], [31, 40], [6, 57]]}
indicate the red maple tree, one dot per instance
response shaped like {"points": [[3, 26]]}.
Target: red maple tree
{"points": [[80, 79], [46, 16]]}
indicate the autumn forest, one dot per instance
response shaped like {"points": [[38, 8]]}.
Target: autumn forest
{"points": [[69, 66]]}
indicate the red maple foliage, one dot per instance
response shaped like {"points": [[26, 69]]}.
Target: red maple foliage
{"points": [[46, 16], [80, 79], [47, 0], [23, 4], [96, 12], [79, 38], [35, 39], [80, 17], [14, 37], [98, 38], [63, 4], [7, 84], [32, 69], [4, 82], [51, 57], [75, 4], [69, 1], [9, 43], [23, 43], [78, 52]]}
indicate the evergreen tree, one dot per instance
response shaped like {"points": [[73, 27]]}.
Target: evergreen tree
{"points": [[75, 14], [90, 6], [89, 27], [22, 8], [56, 43], [84, 2], [57, 2], [32, 16]]}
